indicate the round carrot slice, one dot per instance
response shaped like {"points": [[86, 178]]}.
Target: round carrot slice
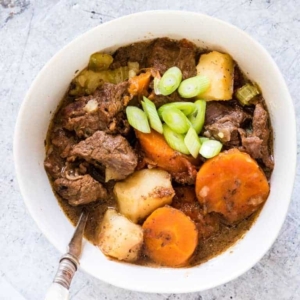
{"points": [[231, 184], [170, 237]]}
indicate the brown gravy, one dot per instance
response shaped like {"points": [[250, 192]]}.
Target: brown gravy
{"points": [[226, 237], [207, 248]]}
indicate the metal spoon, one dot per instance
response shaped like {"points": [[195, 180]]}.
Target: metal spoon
{"points": [[68, 264]]}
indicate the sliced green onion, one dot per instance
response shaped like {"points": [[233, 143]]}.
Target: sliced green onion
{"points": [[151, 112], [155, 85], [170, 81], [246, 93], [193, 86], [210, 148], [176, 120], [186, 107], [192, 142], [137, 119], [175, 140], [197, 118], [203, 139]]}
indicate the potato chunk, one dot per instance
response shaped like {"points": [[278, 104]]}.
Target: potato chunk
{"points": [[119, 237], [219, 68], [144, 191]]}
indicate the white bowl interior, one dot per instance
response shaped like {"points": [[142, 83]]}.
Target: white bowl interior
{"points": [[50, 86]]}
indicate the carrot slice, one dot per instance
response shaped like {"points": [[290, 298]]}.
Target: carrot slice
{"points": [[159, 153], [232, 184], [138, 85], [170, 237]]}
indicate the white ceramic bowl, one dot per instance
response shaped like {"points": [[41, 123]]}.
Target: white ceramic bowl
{"points": [[51, 84]]}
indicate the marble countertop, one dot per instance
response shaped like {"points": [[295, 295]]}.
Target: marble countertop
{"points": [[31, 32]]}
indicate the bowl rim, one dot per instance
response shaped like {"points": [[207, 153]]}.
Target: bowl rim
{"points": [[292, 151]]}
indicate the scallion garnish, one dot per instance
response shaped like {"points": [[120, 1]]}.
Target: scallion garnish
{"points": [[210, 148], [186, 107], [137, 119], [193, 86], [170, 81], [151, 112], [175, 140], [156, 81], [197, 118], [203, 139], [192, 142], [176, 120]]}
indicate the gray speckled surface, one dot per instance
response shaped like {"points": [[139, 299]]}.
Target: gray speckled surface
{"points": [[31, 32]]}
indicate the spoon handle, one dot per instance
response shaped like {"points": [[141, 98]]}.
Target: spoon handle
{"points": [[68, 264], [57, 292]]}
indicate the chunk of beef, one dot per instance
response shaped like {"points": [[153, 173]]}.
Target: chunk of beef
{"points": [[167, 53], [251, 144], [256, 143], [218, 111], [186, 60], [226, 132], [62, 140], [137, 52], [113, 152], [61, 145], [161, 54], [108, 115], [81, 191], [185, 200], [54, 163], [222, 122]]}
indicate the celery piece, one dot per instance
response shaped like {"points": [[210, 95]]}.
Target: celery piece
{"points": [[246, 93], [100, 62]]}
